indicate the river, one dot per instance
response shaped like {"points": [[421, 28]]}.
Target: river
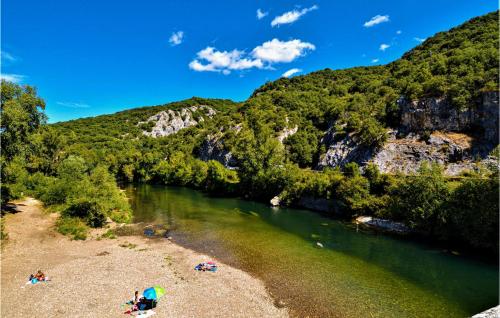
{"points": [[355, 274]]}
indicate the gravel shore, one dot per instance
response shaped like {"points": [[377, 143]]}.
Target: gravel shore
{"points": [[93, 278]]}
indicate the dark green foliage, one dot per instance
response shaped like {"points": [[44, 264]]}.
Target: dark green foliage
{"points": [[418, 198], [73, 227], [220, 180], [89, 211], [22, 114], [472, 213]]}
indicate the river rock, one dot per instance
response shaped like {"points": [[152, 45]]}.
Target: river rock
{"points": [[383, 224], [490, 313], [275, 201]]}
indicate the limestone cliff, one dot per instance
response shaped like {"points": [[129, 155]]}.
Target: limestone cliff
{"points": [[171, 121], [430, 130]]}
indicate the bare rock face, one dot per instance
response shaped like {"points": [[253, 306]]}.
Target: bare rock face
{"points": [[450, 142], [342, 151], [430, 114], [407, 154], [213, 148], [171, 121], [287, 132]]}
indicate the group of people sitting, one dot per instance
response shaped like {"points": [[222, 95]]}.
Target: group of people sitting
{"points": [[140, 303], [38, 277]]}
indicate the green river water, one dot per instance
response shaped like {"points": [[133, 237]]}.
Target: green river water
{"points": [[356, 274]]}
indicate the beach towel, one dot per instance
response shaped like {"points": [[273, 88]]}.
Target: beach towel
{"points": [[208, 266]]}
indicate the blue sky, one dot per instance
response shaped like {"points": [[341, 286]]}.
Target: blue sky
{"points": [[89, 57]]}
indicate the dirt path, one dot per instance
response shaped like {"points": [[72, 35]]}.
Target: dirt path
{"points": [[92, 278]]}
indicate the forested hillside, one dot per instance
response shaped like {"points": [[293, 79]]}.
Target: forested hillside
{"points": [[317, 136]]}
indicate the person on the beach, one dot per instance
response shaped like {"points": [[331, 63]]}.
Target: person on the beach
{"points": [[40, 276], [137, 298]]}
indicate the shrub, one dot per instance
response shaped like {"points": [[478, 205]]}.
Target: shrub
{"points": [[73, 227], [89, 211], [418, 199]]}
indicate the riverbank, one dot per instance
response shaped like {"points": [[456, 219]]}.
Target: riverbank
{"points": [[92, 278]]}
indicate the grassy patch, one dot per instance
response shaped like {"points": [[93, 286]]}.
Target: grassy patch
{"points": [[109, 234], [3, 235], [73, 227]]}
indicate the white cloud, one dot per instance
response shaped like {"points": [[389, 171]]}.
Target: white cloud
{"points": [[176, 38], [222, 61], [73, 105], [262, 56], [290, 72], [291, 16], [7, 56], [276, 51], [261, 14], [375, 61], [14, 78], [398, 32], [419, 39], [376, 20], [384, 47]]}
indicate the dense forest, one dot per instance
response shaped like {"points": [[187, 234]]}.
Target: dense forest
{"points": [[74, 166]]}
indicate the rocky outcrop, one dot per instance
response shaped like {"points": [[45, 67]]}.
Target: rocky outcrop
{"points": [[171, 121], [407, 154], [383, 224], [287, 132], [430, 114], [342, 150], [213, 148], [454, 139]]}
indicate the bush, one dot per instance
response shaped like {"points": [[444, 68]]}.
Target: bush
{"points": [[473, 212], [89, 211], [418, 200], [73, 227], [3, 235]]}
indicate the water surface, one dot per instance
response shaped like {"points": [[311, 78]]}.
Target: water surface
{"points": [[356, 274]]}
